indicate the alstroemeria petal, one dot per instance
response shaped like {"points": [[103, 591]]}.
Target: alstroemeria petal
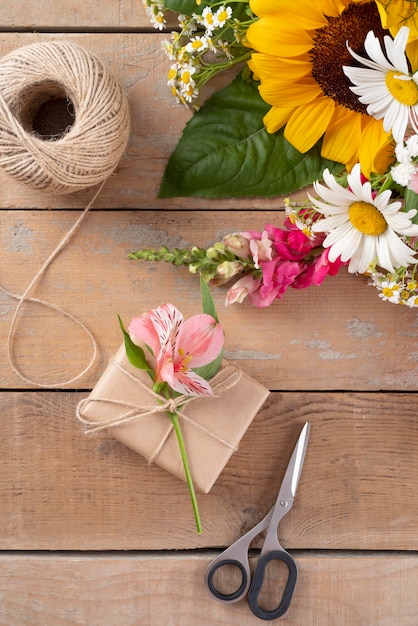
{"points": [[167, 321], [142, 332], [191, 384], [200, 340]]}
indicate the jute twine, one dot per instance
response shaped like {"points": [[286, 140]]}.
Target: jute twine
{"points": [[227, 378], [89, 151], [83, 156]]}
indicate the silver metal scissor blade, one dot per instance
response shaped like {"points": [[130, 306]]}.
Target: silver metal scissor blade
{"points": [[288, 487]]}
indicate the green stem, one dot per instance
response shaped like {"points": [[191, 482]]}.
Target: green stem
{"points": [[175, 421]]}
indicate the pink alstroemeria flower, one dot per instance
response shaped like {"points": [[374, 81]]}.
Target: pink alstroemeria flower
{"points": [[178, 345]]}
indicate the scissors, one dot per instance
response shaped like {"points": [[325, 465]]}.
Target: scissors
{"points": [[237, 554]]}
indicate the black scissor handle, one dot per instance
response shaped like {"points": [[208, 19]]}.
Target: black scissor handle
{"points": [[257, 583], [227, 597]]}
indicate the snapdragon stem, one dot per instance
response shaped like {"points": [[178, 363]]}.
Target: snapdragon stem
{"points": [[176, 425]]}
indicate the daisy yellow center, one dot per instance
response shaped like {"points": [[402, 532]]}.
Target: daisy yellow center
{"points": [[330, 53], [366, 218], [405, 91]]}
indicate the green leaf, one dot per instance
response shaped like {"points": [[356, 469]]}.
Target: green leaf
{"points": [[185, 7], [411, 202], [209, 370], [134, 353], [226, 152], [188, 7], [208, 305]]}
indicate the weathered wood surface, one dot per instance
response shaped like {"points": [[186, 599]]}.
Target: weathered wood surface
{"points": [[104, 590], [338, 336], [336, 355], [73, 14], [63, 490]]}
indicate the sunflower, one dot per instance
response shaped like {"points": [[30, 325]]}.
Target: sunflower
{"points": [[300, 50]]}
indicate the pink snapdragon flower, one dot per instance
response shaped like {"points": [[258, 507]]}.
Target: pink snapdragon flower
{"points": [[282, 257], [177, 346]]}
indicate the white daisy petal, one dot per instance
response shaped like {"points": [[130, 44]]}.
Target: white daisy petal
{"points": [[375, 82], [363, 229]]}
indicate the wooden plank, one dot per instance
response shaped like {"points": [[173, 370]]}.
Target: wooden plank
{"points": [[72, 14], [63, 490], [297, 343], [102, 590], [141, 67]]}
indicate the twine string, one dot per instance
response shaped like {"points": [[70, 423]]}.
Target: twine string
{"points": [[84, 156], [221, 382]]}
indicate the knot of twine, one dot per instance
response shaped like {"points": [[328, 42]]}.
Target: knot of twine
{"points": [[88, 152], [85, 155], [225, 379]]}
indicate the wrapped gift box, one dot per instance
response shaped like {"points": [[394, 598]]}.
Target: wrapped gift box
{"points": [[212, 428]]}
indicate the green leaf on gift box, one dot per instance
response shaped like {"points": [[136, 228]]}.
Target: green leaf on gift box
{"points": [[134, 353], [225, 151]]}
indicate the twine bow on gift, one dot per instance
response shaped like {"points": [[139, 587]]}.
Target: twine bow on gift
{"points": [[225, 379]]}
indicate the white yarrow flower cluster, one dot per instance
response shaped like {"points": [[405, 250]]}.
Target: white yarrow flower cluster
{"points": [[405, 171]]}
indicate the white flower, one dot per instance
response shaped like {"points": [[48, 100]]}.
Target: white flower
{"points": [[412, 301], [402, 153], [208, 19], [197, 44], [387, 87], [402, 173], [361, 228], [390, 291], [412, 146], [222, 15]]}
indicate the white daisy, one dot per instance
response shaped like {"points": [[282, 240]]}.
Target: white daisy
{"points": [[222, 15], [362, 228], [387, 87]]}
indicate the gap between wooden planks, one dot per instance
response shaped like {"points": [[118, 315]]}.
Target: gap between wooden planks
{"points": [[154, 589]]}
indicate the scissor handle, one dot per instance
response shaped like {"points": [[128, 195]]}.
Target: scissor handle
{"points": [[258, 579], [235, 595]]}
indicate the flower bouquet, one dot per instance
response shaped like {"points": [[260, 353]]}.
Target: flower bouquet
{"points": [[327, 94]]}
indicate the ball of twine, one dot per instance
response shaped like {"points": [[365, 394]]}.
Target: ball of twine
{"points": [[88, 151]]}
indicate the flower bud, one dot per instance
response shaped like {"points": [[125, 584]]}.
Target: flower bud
{"points": [[239, 244]]}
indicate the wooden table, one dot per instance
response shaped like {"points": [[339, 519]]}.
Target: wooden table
{"points": [[91, 534]]}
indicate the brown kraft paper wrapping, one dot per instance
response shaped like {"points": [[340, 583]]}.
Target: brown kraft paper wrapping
{"points": [[122, 401]]}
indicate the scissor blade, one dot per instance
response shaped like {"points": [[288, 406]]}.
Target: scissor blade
{"points": [[294, 469]]}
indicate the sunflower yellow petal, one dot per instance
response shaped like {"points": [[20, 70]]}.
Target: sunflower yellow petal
{"points": [[342, 137], [276, 118], [279, 94], [305, 13], [271, 36], [412, 54], [376, 150], [308, 123], [267, 66]]}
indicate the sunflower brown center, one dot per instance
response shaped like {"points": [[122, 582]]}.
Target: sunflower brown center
{"points": [[366, 218], [330, 53]]}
